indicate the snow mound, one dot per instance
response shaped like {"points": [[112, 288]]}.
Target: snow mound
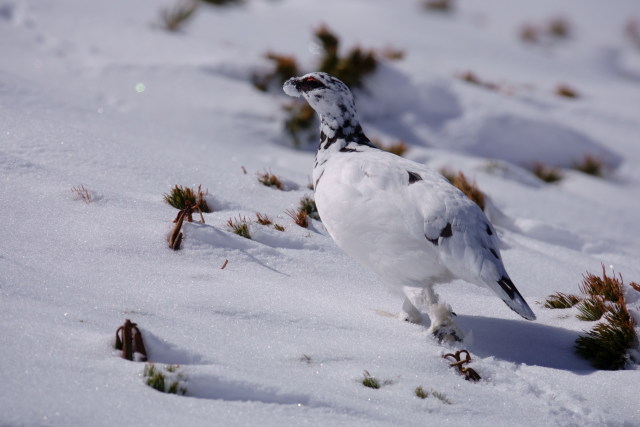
{"points": [[526, 141]]}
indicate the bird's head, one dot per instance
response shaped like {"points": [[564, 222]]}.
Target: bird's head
{"points": [[327, 95]]}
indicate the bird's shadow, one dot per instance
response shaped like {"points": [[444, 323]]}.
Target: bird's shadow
{"points": [[523, 342]]}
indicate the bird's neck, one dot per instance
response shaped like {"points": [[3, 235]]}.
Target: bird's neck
{"points": [[337, 136]]}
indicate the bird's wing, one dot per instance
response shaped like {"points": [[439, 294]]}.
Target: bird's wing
{"points": [[465, 240]]}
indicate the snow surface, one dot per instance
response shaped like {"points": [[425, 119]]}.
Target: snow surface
{"points": [[71, 272]]}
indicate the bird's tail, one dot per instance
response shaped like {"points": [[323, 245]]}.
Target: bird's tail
{"points": [[508, 292]]}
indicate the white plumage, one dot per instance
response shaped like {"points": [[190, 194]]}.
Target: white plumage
{"points": [[398, 217]]}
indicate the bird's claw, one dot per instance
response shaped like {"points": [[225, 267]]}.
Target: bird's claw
{"points": [[447, 333]]}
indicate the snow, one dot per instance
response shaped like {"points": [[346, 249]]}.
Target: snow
{"points": [[71, 272]]}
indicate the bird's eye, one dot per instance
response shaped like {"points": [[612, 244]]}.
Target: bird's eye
{"points": [[309, 83]]}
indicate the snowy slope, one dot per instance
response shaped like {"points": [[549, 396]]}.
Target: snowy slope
{"points": [[283, 334]]}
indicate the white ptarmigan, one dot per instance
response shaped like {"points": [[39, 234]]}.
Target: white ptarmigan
{"points": [[398, 217]]}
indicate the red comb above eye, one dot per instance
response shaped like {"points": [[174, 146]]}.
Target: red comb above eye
{"points": [[309, 79]]}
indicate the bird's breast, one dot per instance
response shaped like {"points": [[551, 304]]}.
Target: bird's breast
{"points": [[371, 219]]}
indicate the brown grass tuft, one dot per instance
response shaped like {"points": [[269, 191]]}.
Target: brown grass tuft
{"points": [[610, 288], [448, 174], [370, 381], [561, 300], [546, 173], [351, 68], [529, 33], [470, 189], [554, 30], [263, 219], [399, 148], [566, 91], [175, 17], [270, 180], [559, 27], [308, 205], [222, 2], [607, 344], [421, 393], [632, 31], [301, 118], [82, 194], [590, 165], [240, 226], [438, 5], [392, 54], [182, 197], [299, 217], [285, 67], [472, 78]]}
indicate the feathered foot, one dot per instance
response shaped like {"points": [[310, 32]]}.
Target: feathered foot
{"points": [[442, 326]]}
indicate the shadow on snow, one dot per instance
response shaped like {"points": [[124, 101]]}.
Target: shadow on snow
{"points": [[523, 342]]}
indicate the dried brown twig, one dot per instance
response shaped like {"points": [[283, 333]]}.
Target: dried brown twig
{"points": [[82, 193], [129, 340], [469, 373], [188, 211], [175, 238]]}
